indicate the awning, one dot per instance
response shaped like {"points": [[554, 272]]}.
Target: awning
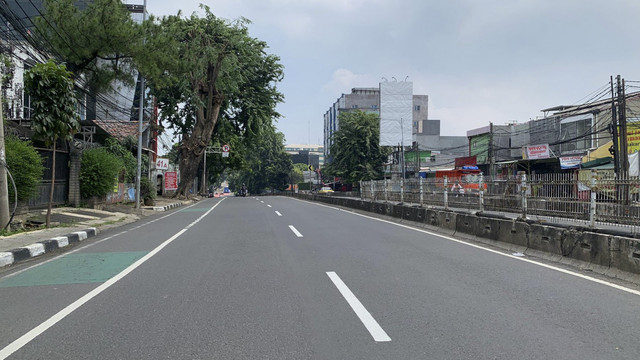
{"points": [[598, 163], [600, 152]]}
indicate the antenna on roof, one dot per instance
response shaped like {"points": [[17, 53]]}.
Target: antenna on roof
{"points": [[385, 79]]}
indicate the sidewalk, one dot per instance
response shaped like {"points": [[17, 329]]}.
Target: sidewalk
{"points": [[71, 225]]}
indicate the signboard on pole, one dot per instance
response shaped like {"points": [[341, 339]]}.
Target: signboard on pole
{"points": [[171, 180], [162, 164], [537, 152]]}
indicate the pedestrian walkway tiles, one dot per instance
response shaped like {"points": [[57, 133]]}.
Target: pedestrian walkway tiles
{"points": [[75, 269]]}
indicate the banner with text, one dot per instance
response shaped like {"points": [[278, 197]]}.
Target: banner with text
{"points": [[171, 180], [570, 162], [537, 152]]}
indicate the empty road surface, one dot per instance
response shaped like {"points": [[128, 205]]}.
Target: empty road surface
{"points": [[278, 278]]}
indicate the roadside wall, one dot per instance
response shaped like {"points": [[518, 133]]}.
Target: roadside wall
{"points": [[594, 248]]}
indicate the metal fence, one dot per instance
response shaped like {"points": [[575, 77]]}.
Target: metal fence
{"points": [[587, 197]]}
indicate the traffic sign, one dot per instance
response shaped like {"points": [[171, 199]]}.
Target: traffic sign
{"points": [[225, 148], [310, 167]]}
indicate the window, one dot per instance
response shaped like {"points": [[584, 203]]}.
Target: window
{"points": [[374, 106], [416, 108], [354, 106], [575, 134]]}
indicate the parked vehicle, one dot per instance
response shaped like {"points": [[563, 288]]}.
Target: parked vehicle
{"points": [[325, 190]]}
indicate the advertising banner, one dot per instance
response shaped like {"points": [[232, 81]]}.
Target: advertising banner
{"points": [[537, 152], [396, 113], [171, 180], [570, 162], [633, 135]]}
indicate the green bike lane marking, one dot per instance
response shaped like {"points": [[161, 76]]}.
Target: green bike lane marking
{"points": [[75, 269]]}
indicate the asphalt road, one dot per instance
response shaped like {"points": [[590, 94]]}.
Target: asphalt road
{"points": [[278, 278]]}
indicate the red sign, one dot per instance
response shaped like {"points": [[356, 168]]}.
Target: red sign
{"points": [[465, 161], [170, 180]]}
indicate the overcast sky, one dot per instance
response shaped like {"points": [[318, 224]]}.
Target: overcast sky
{"points": [[479, 61]]}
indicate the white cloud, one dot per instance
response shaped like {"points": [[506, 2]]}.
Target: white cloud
{"points": [[479, 62], [343, 80]]}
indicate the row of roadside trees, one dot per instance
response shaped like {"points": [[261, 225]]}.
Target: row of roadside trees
{"points": [[212, 81]]}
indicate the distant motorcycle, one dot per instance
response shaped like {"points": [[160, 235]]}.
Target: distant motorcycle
{"points": [[243, 191]]}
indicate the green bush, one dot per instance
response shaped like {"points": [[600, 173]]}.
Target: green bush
{"points": [[25, 165], [147, 189], [98, 173], [129, 160]]}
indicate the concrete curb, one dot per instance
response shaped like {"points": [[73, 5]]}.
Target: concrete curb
{"points": [[167, 207], [41, 247]]}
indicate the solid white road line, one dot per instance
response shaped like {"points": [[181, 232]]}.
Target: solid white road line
{"points": [[295, 231], [26, 338], [367, 320], [509, 255], [84, 247], [278, 213]]}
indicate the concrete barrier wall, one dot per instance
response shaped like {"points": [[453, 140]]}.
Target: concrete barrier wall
{"points": [[611, 251]]}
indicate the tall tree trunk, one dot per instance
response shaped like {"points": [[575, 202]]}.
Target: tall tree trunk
{"points": [[192, 148], [189, 163], [53, 182]]}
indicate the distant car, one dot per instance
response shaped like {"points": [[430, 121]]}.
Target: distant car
{"points": [[325, 190]]}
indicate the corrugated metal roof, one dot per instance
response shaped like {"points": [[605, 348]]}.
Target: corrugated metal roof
{"points": [[120, 129]]}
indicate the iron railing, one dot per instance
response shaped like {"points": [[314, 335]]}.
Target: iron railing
{"points": [[587, 197]]}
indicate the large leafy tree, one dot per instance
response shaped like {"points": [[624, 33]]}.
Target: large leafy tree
{"points": [[54, 110], [356, 152], [267, 164], [97, 43], [211, 70]]}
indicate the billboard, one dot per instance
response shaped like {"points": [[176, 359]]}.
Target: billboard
{"points": [[171, 180], [633, 135], [396, 113]]}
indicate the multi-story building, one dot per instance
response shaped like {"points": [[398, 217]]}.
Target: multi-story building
{"points": [[564, 131], [427, 135], [306, 154], [368, 100], [365, 99]]}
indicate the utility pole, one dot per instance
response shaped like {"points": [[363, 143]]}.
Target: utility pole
{"points": [[4, 186], [204, 174], [140, 119], [491, 159], [622, 114], [614, 128]]}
